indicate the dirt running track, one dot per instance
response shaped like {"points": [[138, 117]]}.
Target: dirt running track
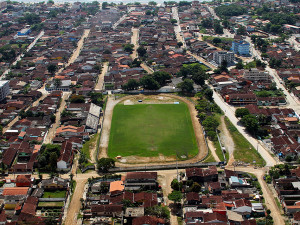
{"points": [[197, 129]]}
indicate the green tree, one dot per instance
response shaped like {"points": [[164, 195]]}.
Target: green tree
{"points": [[199, 77], [239, 65], [161, 77], [149, 83], [77, 99], [241, 30], [173, 21], [241, 112], [251, 123], [196, 187], [128, 48], [104, 5], [104, 164], [53, 161], [176, 185], [152, 3], [209, 94], [57, 82], [186, 86], [226, 23], [175, 196], [210, 123], [207, 23], [52, 68], [217, 40], [230, 10], [141, 51], [180, 44], [218, 27], [53, 118], [158, 211], [51, 2], [132, 84]]}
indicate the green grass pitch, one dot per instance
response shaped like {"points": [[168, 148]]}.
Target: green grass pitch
{"points": [[151, 129]]}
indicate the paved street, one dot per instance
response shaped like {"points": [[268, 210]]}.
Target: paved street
{"points": [[230, 113]]}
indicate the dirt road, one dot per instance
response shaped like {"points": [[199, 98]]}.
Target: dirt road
{"points": [[164, 179], [75, 203], [52, 130], [134, 41], [267, 193], [104, 140], [100, 82], [227, 140], [79, 47], [213, 150]]}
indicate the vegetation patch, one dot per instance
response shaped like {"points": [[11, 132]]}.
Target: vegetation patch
{"points": [[244, 151], [54, 194], [151, 129], [51, 204]]}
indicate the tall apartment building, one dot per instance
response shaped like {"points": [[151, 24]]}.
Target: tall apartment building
{"points": [[240, 47], [4, 89], [221, 56], [256, 75]]}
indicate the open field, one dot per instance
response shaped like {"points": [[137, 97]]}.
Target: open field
{"points": [[54, 194], [51, 204], [151, 130], [244, 151]]}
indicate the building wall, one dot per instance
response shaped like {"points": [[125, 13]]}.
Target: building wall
{"points": [[4, 89]]}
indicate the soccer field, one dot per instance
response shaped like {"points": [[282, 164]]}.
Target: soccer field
{"points": [[148, 130]]}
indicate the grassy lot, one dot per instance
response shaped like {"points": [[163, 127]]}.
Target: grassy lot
{"points": [[244, 151], [210, 38], [149, 130], [209, 157], [54, 194], [87, 146], [51, 204]]}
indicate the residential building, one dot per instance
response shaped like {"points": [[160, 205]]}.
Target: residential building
{"points": [[219, 57], [4, 89], [64, 162], [240, 47], [55, 183], [92, 120], [137, 180], [256, 75]]}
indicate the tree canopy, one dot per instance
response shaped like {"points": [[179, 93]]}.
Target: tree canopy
{"points": [[186, 86], [241, 112], [104, 164], [230, 10], [148, 82], [175, 196]]}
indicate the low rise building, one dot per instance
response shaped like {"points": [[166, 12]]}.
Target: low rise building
{"points": [[256, 75]]}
